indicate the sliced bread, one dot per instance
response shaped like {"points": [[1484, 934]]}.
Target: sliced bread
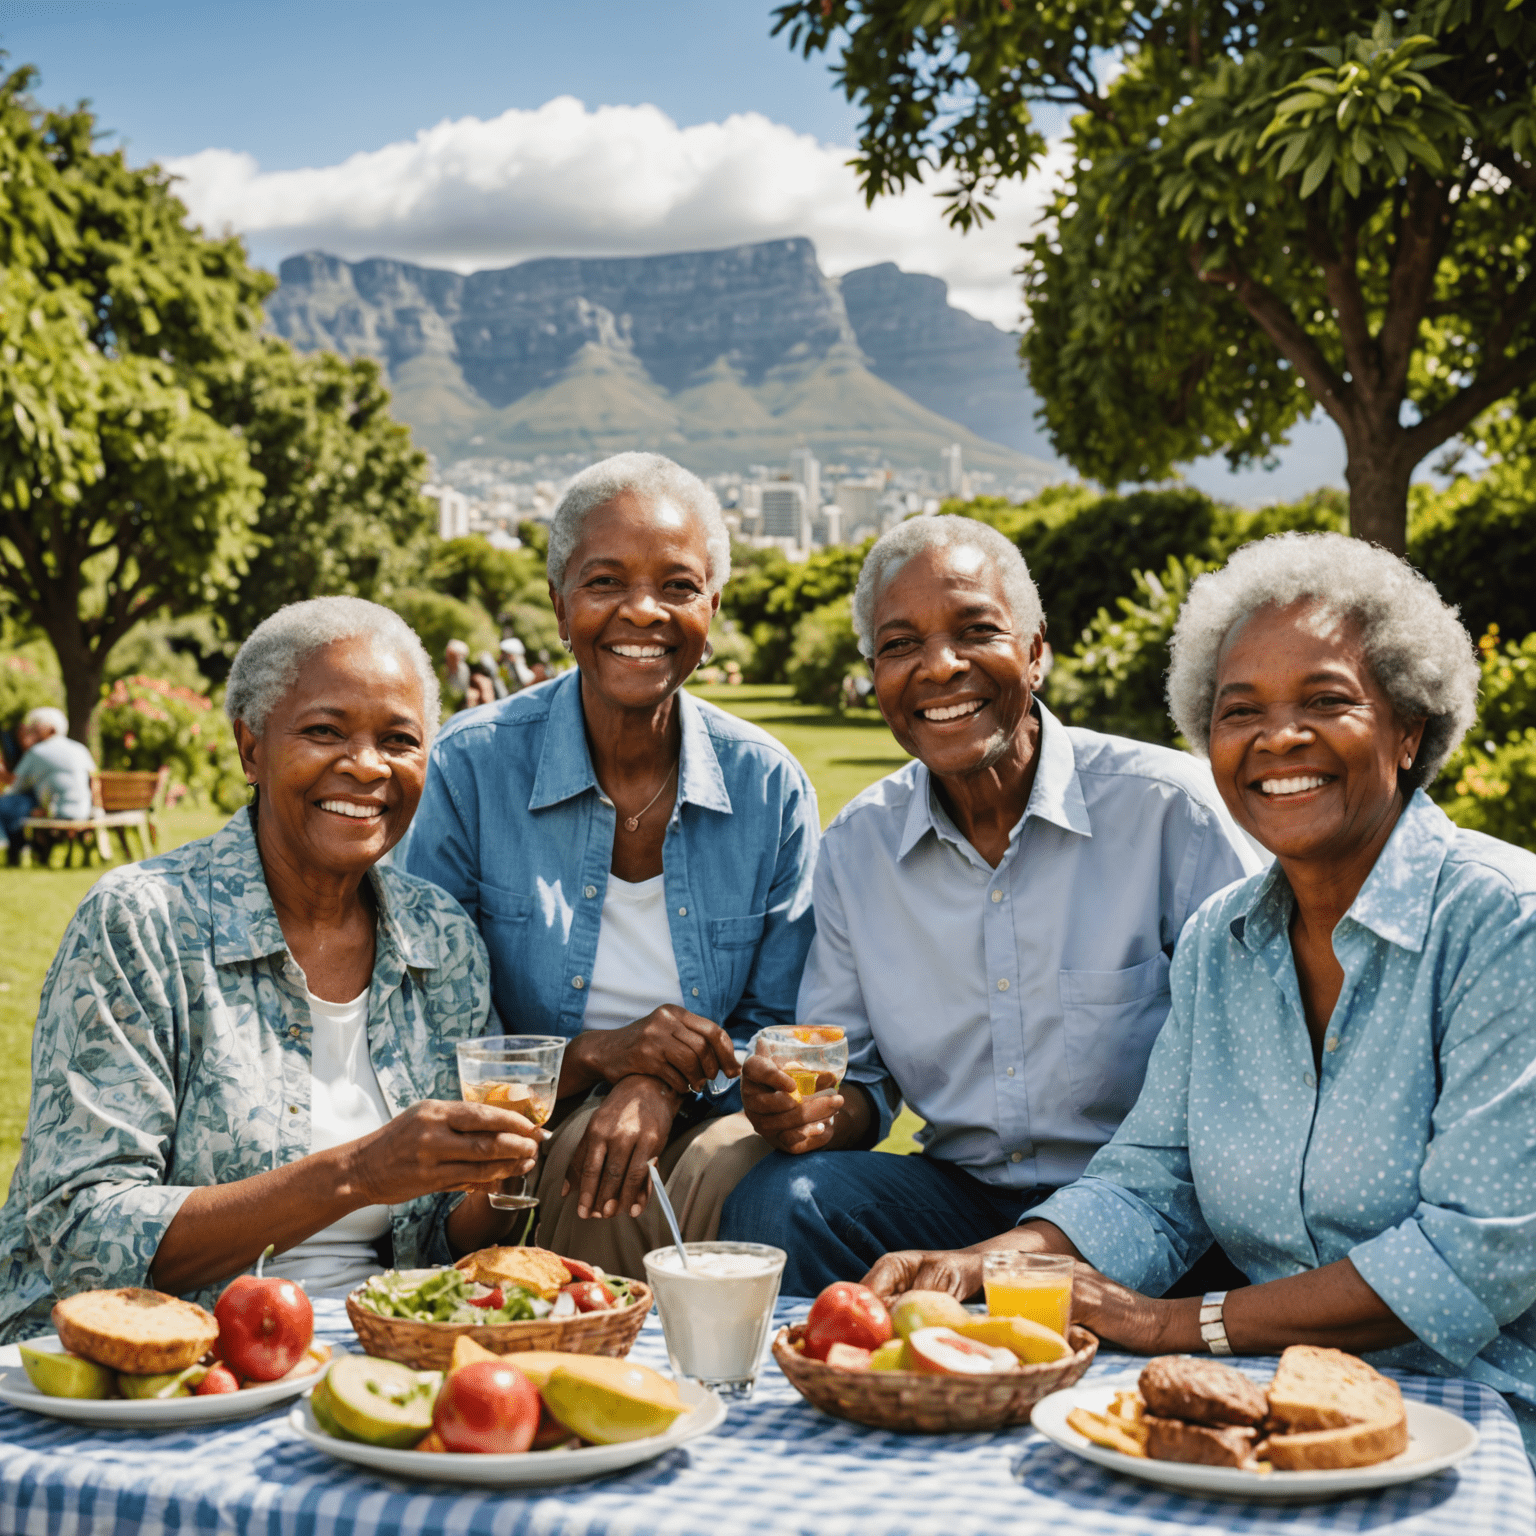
{"points": [[143, 1333], [1352, 1445], [1318, 1388]]}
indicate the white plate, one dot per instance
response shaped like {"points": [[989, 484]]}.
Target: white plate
{"points": [[529, 1469], [136, 1413], [1436, 1440]]}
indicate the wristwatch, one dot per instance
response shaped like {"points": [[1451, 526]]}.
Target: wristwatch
{"points": [[1212, 1330]]}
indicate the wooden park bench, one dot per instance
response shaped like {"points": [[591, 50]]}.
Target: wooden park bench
{"points": [[122, 799]]}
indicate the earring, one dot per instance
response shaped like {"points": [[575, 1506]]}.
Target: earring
{"points": [[567, 645], [708, 656]]}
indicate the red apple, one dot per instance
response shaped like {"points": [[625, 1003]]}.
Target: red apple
{"points": [[265, 1325], [219, 1379], [591, 1295], [489, 1407], [846, 1313]]}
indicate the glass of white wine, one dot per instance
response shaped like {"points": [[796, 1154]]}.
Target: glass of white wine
{"points": [[516, 1072], [815, 1056]]}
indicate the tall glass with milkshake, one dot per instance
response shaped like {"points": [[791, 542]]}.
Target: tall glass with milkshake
{"points": [[717, 1314]]}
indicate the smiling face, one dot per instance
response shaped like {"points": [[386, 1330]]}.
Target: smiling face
{"points": [[953, 677], [1305, 745], [342, 758], [635, 603]]}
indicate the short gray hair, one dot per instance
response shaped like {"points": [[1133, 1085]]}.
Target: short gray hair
{"points": [[45, 714], [1422, 657], [266, 666], [653, 476], [944, 532]]}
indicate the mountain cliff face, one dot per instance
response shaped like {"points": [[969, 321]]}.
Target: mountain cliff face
{"points": [[721, 358]]}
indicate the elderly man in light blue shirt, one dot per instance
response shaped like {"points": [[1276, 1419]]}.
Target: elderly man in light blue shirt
{"points": [[994, 926], [53, 774]]}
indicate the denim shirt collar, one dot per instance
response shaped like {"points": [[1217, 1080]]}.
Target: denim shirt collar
{"points": [[565, 764], [1056, 796], [1395, 903], [244, 922]]}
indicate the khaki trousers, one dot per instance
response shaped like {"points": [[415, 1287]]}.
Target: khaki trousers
{"points": [[699, 1167]]}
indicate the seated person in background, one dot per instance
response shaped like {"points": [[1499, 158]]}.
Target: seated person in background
{"points": [[638, 860], [1344, 1095], [993, 928], [251, 1040], [53, 776], [456, 689]]}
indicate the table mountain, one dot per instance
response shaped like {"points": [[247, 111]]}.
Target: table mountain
{"points": [[720, 358]]}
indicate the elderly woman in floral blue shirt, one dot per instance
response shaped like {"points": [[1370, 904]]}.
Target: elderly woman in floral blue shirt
{"points": [[1344, 1095], [251, 1040]]}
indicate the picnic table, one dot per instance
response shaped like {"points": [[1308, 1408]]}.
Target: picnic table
{"points": [[776, 1467]]}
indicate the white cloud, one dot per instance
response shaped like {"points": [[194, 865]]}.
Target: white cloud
{"points": [[564, 180]]}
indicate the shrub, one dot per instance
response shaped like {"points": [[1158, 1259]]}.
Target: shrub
{"points": [[1114, 679], [767, 596], [147, 723], [26, 682], [823, 653], [438, 618], [1489, 784]]}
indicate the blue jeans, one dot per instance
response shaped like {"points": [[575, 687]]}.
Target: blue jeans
{"points": [[835, 1213], [14, 809]]}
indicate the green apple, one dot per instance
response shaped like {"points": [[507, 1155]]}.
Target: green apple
{"points": [[380, 1402]]}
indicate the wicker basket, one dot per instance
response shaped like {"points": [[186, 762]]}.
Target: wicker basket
{"points": [[429, 1346], [916, 1403]]}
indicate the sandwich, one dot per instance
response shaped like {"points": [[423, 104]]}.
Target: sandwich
{"points": [[535, 1269]]}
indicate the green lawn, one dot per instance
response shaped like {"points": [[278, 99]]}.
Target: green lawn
{"points": [[841, 754]]}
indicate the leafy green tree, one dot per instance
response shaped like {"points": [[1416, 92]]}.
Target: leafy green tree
{"points": [[341, 508], [509, 584], [1268, 209], [121, 494], [823, 653]]}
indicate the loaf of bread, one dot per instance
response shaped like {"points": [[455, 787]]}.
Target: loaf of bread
{"points": [[1200, 1392], [143, 1333], [1332, 1410], [1210, 1445]]}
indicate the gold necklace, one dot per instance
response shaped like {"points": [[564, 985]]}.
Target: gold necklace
{"points": [[632, 823]]}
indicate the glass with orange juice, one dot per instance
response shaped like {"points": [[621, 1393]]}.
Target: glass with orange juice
{"points": [[815, 1056], [1033, 1285]]}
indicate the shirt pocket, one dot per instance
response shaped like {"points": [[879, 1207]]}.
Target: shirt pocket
{"points": [[1110, 1021], [733, 943], [504, 906]]}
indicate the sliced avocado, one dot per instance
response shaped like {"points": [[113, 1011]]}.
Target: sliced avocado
{"points": [[380, 1401], [57, 1373]]}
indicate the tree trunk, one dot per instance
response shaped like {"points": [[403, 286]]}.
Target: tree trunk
{"points": [[1378, 493], [82, 668]]}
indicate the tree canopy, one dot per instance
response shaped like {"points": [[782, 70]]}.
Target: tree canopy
{"points": [[1266, 209]]}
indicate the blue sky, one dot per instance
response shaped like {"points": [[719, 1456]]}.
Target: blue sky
{"points": [[439, 134]]}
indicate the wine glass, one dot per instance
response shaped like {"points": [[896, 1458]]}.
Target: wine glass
{"points": [[516, 1072], [809, 1053]]}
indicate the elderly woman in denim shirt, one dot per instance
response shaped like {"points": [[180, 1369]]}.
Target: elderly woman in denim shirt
{"points": [[251, 1040], [1344, 1095], [639, 863]]}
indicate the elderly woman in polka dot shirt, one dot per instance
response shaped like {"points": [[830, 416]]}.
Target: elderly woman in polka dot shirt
{"points": [[1344, 1095]]}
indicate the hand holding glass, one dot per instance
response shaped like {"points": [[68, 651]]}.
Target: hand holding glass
{"points": [[815, 1056], [516, 1072]]}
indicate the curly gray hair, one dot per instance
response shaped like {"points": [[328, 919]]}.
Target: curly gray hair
{"points": [[267, 664], [651, 475], [1421, 655], [946, 532]]}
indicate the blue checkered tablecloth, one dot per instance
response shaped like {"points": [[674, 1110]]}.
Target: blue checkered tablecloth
{"points": [[775, 1467]]}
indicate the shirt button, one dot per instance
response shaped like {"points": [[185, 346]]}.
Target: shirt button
{"points": [[1331, 1043], [1002, 985], [1017, 1157], [695, 991], [1310, 1081], [589, 891], [293, 1109], [1010, 1071], [682, 911], [295, 1032], [577, 982], [997, 895]]}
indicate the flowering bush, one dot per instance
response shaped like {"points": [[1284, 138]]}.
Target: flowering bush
{"points": [[147, 723]]}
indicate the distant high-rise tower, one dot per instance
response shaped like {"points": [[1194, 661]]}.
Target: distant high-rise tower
{"points": [[954, 472], [784, 511], [804, 467]]}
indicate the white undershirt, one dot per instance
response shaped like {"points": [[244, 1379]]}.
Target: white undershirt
{"points": [[345, 1102], [635, 970]]}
